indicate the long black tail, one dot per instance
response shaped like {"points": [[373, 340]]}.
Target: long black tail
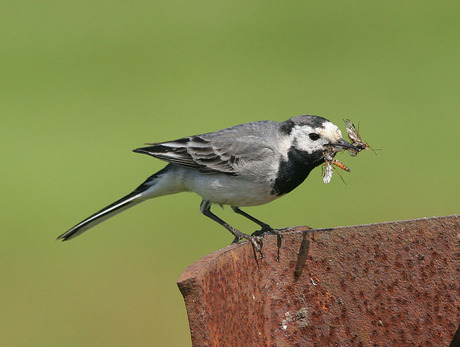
{"points": [[100, 216], [156, 185]]}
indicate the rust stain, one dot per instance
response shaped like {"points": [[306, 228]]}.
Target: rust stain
{"points": [[387, 284]]}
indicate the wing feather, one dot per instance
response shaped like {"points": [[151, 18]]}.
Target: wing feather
{"points": [[228, 151]]}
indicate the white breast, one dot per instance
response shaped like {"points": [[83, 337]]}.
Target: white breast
{"points": [[227, 190]]}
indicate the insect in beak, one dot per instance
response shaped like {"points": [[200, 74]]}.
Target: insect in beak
{"points": [[344, 144]]}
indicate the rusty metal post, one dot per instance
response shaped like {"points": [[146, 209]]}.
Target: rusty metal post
{"points": [[389, 284]]}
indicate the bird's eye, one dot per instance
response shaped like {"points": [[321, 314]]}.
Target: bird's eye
{"points": [[313, 136]]}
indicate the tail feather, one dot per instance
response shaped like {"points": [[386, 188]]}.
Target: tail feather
{"points": [[118, 206], [156, 185]]}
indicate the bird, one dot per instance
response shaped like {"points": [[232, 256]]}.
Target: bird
{"points": [[244, 165]]}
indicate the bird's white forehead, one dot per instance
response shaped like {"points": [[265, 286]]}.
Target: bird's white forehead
{"points": [[330, 131], [327, 130]]}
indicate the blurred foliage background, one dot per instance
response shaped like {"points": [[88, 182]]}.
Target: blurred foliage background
{"points": [[83, 83]]}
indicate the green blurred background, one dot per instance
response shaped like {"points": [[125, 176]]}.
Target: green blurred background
{"points": [[83, 83]]}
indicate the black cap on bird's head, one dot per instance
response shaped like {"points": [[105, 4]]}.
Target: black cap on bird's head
{"points": [[310, 120]]}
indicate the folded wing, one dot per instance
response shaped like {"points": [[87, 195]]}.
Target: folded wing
{"points": [[230, 151]]}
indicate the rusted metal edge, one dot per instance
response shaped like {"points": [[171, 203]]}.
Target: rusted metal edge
{"points": [[203, 263]]}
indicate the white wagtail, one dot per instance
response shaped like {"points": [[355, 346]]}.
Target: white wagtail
{"points": [[245, 165]]}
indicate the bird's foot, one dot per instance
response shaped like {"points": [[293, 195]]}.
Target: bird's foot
{"points": [[269, 230], [255, 240], [265, 229]]}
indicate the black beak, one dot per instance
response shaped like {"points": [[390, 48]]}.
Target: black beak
{"points": [[344, 144]]}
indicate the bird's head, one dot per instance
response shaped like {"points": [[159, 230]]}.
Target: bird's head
{"points": [[313, 134]]}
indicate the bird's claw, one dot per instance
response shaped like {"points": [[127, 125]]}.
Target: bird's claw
{"points": [[257, 243], [257, 237], [265, 229], [255, 240]]}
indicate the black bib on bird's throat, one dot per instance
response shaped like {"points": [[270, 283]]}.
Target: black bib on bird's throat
{"points": [[295, 170]]}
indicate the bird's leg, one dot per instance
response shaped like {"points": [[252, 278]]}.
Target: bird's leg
{"points": [[265, 227], [256, 241]]}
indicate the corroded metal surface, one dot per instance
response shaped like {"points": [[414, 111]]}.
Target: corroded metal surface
{"points": [[389, 284]]}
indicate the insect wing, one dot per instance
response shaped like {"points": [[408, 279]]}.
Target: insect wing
{"points": [[327, 173], [352, 132], [352, 152]]}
